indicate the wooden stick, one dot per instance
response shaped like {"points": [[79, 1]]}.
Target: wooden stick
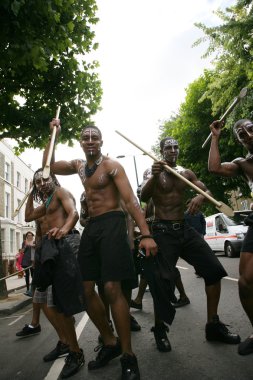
{"points": [[243, 92], [46, 169], [220, 205], [15, 213]]}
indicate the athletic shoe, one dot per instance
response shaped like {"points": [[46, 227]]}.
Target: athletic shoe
{"points": [[73, 362], [181, 302], [130, 369], [28, 293], [135, 305], [217, 331], [28, 331], [105, 354], [162, 341], [60, 350], [246, 347], [134, 325]]}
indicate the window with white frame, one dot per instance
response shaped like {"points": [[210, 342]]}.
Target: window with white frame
{"points": [[18, 180], [18, 242], [26, 185], [3, 240], [7, 205], [12, 235], [7, 174], [20, 213]]}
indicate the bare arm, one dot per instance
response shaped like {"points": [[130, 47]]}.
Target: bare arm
{"points": [[32, 213], [226, 169], [132, 205], [148, 187], [59, 167]]}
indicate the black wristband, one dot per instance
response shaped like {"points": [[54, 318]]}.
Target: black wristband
{"points": [[145, 237]]}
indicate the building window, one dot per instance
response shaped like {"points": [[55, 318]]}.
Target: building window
{"points": [[19, 214], [18, 243], [26, 185], [7, 171], [12, 241], [7, 205], [18, 180], [3, 241]]}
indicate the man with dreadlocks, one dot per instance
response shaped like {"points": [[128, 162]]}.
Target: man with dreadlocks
{"points": [[243, 132], [175, 237], [56, 265]]}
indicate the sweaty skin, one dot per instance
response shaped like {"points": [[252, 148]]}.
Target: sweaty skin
{"points": [[167, 191], [106, 186]]}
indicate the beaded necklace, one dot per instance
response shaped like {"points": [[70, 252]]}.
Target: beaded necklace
{"points": [[90, 171]]}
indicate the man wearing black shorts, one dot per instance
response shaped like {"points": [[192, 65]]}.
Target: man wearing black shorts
{"points": [[104, 252], [175, 238], [243, 132]]}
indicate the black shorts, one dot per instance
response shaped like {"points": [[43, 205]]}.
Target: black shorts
{"points": [[179, 239], [104, 252], [247, 244]]}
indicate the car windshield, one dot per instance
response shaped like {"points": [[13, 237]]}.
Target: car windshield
{"points": [[229, 221]]}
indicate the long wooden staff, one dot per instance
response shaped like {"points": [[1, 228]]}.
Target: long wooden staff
{"points": [[15, 213], [222, 207], [46, 169], [243, 92]]}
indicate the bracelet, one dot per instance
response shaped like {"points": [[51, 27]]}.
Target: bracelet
{"points": [[145, 237]]}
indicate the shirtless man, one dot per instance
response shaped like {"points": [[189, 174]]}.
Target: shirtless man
{"points": [[104, 252], [57, 217], [175, 238], [243, 132]]}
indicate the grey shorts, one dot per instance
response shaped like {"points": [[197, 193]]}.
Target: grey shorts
{"points": [[44, 297]]}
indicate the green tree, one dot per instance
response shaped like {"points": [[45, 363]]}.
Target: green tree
{"points": [[43, 59], [191, 127], [231, 45]]}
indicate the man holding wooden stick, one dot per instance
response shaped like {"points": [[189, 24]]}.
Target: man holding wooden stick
{"points": [[175, 237], [243, 131], [104, 252]]}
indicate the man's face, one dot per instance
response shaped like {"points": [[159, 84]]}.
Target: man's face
{"points": [[170, 151], [46, 186], [244, 133], [91, 142]]}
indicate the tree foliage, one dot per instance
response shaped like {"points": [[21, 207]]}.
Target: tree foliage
{"points": [[191, 127], [43, 59]]}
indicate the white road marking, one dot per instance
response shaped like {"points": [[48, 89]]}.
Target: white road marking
{"points": [[56, 368], [19, 317], [224, 278]]}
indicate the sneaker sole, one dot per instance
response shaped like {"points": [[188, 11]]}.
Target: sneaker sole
{"points": [[58, 357], [72, 373], [27, 336]]}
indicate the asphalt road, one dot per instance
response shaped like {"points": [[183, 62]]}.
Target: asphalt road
{"points": [[192, 357]]}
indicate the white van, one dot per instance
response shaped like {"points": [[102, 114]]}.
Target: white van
{"points": [[224, 234]]}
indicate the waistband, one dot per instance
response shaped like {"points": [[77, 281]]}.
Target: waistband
{"points": [[107, 215], [164, 223]]}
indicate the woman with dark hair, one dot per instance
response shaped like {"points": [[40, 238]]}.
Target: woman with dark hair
{"points": [[28, 248]]}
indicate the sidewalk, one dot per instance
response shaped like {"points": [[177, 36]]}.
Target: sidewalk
{"points": [[16, 298]]}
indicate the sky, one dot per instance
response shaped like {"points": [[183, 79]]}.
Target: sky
{"points": [[146, 62]]}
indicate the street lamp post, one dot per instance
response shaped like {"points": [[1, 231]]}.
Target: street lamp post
{"points": [[135, 168]]}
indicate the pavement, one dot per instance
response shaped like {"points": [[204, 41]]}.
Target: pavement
{"points": [[16, 298]]}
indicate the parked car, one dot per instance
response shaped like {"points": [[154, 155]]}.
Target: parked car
{"points": [[224, 234]]}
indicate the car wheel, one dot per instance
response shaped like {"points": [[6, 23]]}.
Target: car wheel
{"points": [[229, 250]]}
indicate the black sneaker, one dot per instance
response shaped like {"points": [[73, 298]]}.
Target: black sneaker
{"points": [[246, 347], [217, 331], [130, 369], [162, 341], [105, 354], [181, 302], [73, 362], [60, 350], [28, 331], [134, 325]]}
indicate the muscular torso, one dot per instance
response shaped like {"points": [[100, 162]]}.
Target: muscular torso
{"points": [[55, 214], [246, 169], [101, 193], [168, 196]]}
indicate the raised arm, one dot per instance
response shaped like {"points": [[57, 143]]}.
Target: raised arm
{"points": [[59, 167], [226, 169], [32, 213], [149, 185]]}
